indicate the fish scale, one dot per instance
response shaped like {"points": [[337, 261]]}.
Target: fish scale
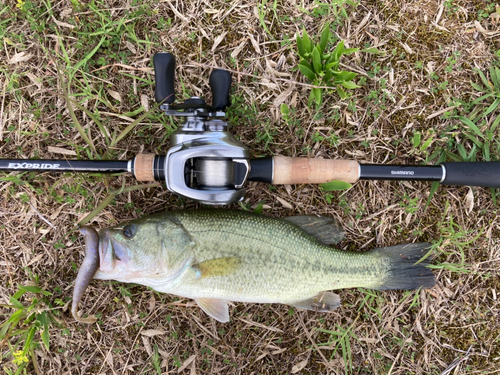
{"points": [[215, 256]]}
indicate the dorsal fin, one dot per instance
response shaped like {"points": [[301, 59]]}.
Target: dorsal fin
{"points": [[325, 229]]}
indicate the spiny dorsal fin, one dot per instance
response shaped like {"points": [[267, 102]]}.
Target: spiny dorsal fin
{"points": [[323, 302], [216, 308], [217, 267], [325, 229]]}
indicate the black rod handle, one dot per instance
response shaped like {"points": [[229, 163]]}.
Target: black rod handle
{"points": [[164, 64], [220, 83], [485, 174]]}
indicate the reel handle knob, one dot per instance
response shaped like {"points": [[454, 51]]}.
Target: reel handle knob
{"points": [[164, 64], [220, 83]]}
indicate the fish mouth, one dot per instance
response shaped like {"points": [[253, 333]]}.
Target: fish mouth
{"points": [[103, 255], [111, 252], [106, 262]]}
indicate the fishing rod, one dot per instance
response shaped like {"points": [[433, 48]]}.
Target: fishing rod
{"points": [[208, 164]]}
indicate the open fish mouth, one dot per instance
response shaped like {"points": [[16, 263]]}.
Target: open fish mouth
{"points": [[102, 255], [106, 260]]}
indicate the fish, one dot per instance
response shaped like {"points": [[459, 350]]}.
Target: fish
{"points": [[215, 256]]}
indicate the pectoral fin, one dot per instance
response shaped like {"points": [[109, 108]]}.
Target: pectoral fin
{"points": [[323, 302], [216, 308], [217, 267]]}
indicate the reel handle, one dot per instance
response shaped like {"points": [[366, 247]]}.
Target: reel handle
{"points": [[220, 83], [164, 65]]}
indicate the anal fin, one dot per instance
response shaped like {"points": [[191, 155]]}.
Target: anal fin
{"points": [[216, 308], [322, 302]]}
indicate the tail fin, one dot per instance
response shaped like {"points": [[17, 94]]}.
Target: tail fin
{"points": [[402, 272]]}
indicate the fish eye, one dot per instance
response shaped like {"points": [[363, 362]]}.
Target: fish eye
{"points": [[129, 231]]}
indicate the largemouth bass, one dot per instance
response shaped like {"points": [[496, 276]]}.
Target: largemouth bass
{"points": [[215, 256]]}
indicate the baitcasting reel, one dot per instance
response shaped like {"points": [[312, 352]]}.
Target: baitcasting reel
{"points": [[213, 163]]}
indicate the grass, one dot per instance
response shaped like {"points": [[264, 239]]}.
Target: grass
{"points": [[85, 84], [27, 327]]}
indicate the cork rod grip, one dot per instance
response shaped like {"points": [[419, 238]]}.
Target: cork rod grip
{"points": [[313, 171], [143, 167]]}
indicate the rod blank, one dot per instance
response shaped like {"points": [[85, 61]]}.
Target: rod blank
{"points": [[49, 165]]}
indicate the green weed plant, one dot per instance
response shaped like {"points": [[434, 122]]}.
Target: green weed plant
{"points": [[340, 340], [321, 67]]}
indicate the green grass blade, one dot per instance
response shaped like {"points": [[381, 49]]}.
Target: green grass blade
{"points": [[331, 65], [77, 124], [96, 211], [325, 36], [472, 153], [349, 85], [307, 72], [316, 55], [477, 87], [480, 99], [43, 319], [300, 46], [426, 255], [135, 188], [16, 303], [318, 95], [345, 76], [306, 42], [434, 188], [110, 198], [71, 112], [486, 151], [471, 125], [474, 139], [19, 293], [497, 74], [306, 64], [341, 92], [373, 50], [461, 151], [483, 78], [495, 124], [349, 51], [494, 76], [86, 58], [124, 133], [493, 192], [335, 185], [32, 289], [338, 51], [492, 107], [94, 118]]}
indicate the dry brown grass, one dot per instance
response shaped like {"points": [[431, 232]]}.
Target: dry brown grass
{"points": [[453, 328]]}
